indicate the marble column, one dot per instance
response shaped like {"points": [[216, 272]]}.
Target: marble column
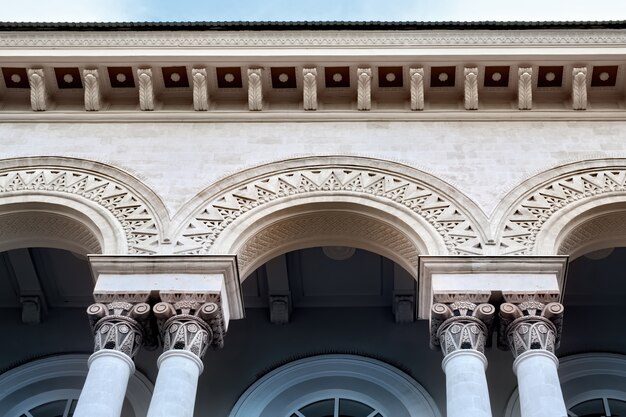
{"points": [[188, 328], [532, 331], [461, 329], [118, 332]]}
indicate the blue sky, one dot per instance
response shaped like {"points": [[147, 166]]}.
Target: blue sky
{"points": [[214, 10]]}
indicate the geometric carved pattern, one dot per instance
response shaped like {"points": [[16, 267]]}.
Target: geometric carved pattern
{"points": [[530, 325], [601, 228], [450, 221], [525, 221], [333, 224], [136, 218], [31, 226], [119, 325]]}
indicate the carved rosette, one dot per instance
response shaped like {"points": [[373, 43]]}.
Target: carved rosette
{"points": [[119, 325], [461, 325], [530, 325], [190, 323]]}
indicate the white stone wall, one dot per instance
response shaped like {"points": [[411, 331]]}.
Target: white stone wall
{"points": [[484, 160]]}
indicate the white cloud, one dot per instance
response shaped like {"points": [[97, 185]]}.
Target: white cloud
{"points": [[66, 11]]}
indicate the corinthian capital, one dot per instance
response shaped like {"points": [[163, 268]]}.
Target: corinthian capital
{"points": [[190, 322], [119, 325], [461, 323], [528, 323]]}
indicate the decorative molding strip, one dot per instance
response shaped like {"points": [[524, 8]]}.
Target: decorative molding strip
{"points": [[38, 93], [449, 220], [91, 80], [525, 88], [579, 88], [200, 89], [471, 88], [309, 88], [255, 92], [487, 38], [146, 90], [364, 93], [417, 88], [134, 215], [526, 220]]}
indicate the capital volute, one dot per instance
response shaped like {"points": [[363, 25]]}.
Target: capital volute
{"points": [[463, 322], [530, 322], [120, 322], [190, 322]]}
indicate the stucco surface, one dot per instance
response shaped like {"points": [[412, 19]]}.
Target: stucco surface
{"points": [[484, 160]]}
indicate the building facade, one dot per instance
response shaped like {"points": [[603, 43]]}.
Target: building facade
{"points": [[313, 219]]}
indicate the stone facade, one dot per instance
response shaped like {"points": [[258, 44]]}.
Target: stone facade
{"points": [[182, 162]]}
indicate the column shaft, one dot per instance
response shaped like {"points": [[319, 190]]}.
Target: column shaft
{"points": [[176, 385], [539, 387], [105, 388], [466, 385]]}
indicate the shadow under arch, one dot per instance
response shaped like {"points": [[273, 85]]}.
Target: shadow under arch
{"points": [[539, 216], [433, 215], [79, 205]]}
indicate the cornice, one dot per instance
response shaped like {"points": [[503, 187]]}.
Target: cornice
{"points": [[315, 39]]}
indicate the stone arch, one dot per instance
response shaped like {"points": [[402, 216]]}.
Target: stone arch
{"points": [[555, 211], [255, 206], [78, 205]]}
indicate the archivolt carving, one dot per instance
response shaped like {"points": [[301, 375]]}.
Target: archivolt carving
{"points": [[448, 218], [331, 225], [136, 217], [525, 221]]}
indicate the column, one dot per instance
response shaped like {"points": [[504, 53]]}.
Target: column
{"points": [[460, 328], [189, 325], [532, 331], [118, 332]]}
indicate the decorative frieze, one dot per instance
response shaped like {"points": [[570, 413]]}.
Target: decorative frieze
{"points": [[417, 88], [146, 89], [38, 91], [364, 88], [525, 88], [464, 323], [471, 88], [200, 89], [120, 325], [579, 88], [530, 324], [91, 81], [190, 321], [309, 88], [255, 91]]}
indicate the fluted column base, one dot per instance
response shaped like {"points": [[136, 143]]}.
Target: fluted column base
{"points": [[539, 387], [466, 384], [176, 385], [105, 388]]}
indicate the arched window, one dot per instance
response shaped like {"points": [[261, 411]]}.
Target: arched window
{"points": [[50, 387], [336, 386], [593, 384]]}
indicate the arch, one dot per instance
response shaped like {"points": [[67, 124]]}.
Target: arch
{"points": [[57, 377], [527, 223], [584, 377], [77, 205], [434, 215], [286, 389]]}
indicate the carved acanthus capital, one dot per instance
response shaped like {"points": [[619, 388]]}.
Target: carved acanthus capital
{"points": [[530, 324], [119, 325], [190, 322], [461, 324]]}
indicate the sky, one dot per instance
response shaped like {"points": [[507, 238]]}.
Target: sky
{"points": [[292, 10]]}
